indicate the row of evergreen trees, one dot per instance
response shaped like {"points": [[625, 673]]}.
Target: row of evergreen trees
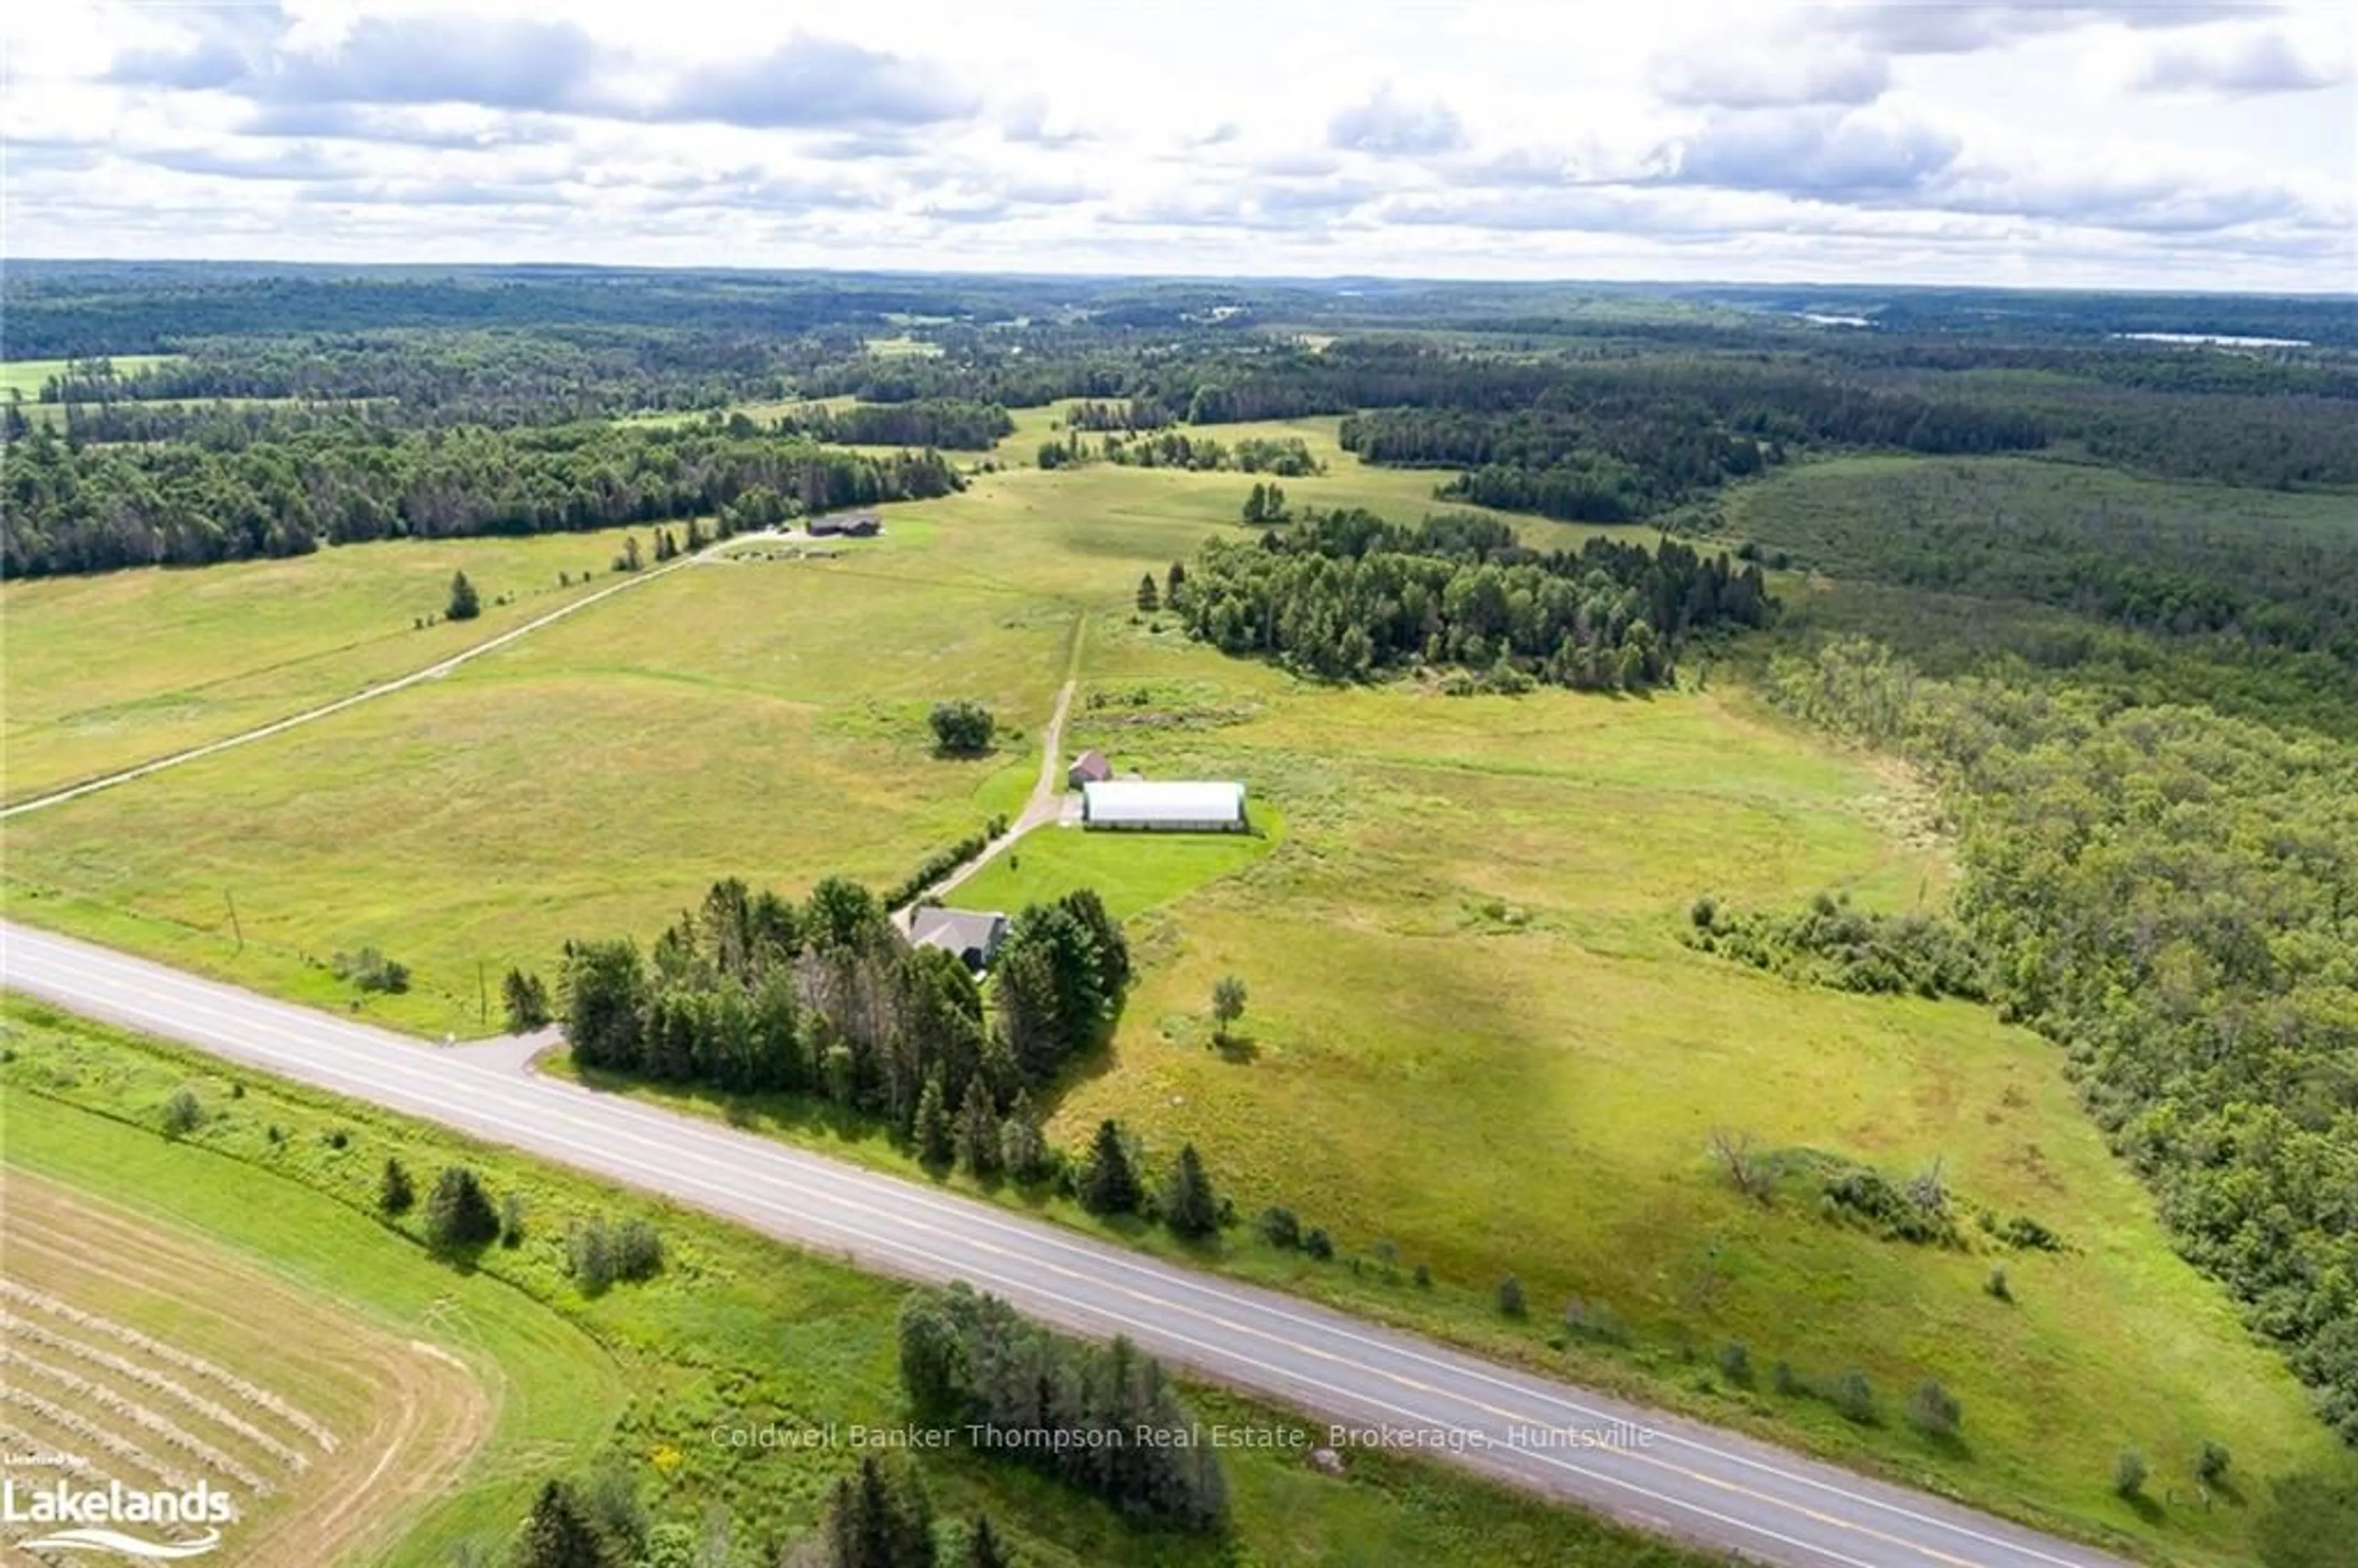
{"points": [[1344, 595], [1102, 1418], [753, 993], [879, 1516], [960, 424], [1287, 455]]}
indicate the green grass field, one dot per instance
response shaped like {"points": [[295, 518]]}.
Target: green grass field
{"points": [[734, 1331], [286, 1210], [107, 671], [1132, 872], [26, 375], [1474, 1040]]}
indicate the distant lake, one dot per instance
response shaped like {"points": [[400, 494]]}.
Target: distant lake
{"points": [[2218, 339], [1836, 320]]}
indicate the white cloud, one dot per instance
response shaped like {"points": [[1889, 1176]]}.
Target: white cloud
{"points": [[1795, 72], [2065, 143], [2239, 60], [1388, 124]]}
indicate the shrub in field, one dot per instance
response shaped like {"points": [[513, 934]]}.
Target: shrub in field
{"points": [[372, 971], [963, 728], [1933, 1411], [183, 1114]]}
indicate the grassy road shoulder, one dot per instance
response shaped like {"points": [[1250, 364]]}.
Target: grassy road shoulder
{"points": [[734, 1334]]}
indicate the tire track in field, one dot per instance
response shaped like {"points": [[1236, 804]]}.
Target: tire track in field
{"points": [[427, 1413], [366, 693]]}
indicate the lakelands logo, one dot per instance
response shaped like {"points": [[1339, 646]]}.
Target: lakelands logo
{"points": [[89, 1516]]}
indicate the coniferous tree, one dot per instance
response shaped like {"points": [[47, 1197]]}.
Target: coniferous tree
{"points": [[880, 1518], [459, 1213], [1149, 600], [395, 1193], [978, 1130], [1022, 1147], [935, 1135], [1023, 989], [526, 999], [558, 1533], [464, 605], [1110, 1185], [1190, 1207], [1228, 1005], [983, 1548]]}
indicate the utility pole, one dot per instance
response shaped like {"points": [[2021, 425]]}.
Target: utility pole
{"points": [[233, 923]]}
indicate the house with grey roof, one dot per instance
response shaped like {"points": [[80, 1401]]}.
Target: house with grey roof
{"points": [[974, 934], [847, 525]]}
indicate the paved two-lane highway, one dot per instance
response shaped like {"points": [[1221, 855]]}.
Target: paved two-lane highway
{"points": [[1658, 1472]]}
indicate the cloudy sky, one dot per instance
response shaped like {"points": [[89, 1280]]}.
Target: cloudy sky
{"points": [[2166, 144]]}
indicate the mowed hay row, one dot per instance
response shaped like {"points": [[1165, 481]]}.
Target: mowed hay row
{"points": [[26, 1331], [32, 1440], [155, 1351], [121, 1411], [164, 1361]]}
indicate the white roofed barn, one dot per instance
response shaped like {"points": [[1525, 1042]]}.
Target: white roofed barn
{"points": [[1171, 805]]}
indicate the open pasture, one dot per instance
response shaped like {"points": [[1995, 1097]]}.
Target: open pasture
{"points": [[734, 1331], [27, 376], [1474, 1040], [108, 671]]}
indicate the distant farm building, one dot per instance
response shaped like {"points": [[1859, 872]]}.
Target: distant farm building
{"points": [[1089, 768], [1171, 806], [847, 525], [974, 934]]}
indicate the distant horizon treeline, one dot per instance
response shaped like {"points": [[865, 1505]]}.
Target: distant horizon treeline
{"points": [[68, 507], [464, 376]]}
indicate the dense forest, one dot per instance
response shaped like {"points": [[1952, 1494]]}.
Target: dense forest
{"points": [[958, 423], [2170, 895], [751, 993], [72, 507], [1605, 464], [1346, 594], [490, 378], [2246, 600]]}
